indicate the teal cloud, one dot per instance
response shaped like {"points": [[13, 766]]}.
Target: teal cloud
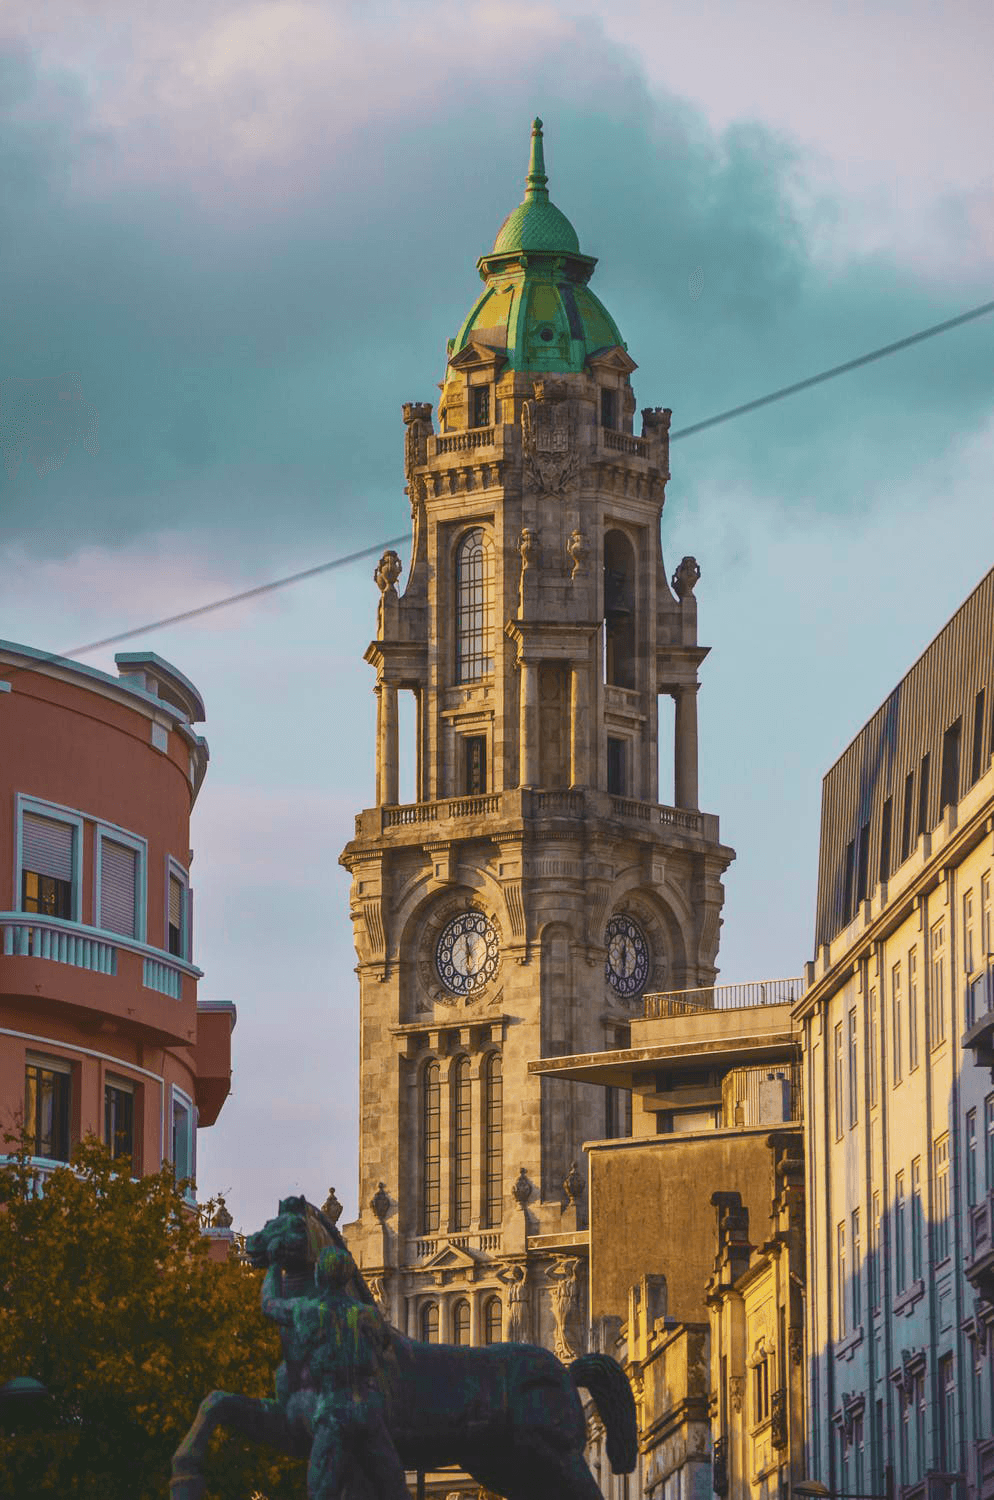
{"points": [[247, 369]]}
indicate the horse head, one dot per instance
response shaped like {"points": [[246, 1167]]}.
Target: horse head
{"points": [[293, 1239]]}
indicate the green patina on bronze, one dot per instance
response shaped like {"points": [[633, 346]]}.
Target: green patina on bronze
{"points": [[364, 1403], [537, 309]]}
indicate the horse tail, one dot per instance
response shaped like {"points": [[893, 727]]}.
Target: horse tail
{"points": [[606, 1381]]}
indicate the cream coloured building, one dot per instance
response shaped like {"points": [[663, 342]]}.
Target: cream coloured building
{"points": [[897, 1023], [519, 908]]}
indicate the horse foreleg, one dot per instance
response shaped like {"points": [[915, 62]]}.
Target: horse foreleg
{"points": [[263, 1421]]}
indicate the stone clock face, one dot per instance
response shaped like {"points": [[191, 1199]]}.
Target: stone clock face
{"points": [[627, 967], [467, 953]]}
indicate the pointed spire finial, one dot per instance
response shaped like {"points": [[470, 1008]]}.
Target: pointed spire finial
{"points": [[536, 180]]}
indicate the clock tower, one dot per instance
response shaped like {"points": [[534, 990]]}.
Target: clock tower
{"points": [[536, 889]]}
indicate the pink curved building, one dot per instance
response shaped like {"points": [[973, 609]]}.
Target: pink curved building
{"points": [[100, 1027]]}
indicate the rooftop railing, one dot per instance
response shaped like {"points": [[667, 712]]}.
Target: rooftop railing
{"points": [[528, 803], [722, 997]]}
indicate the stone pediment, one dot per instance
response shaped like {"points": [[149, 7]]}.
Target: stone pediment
{"points": [[613, 357], [451, 1263], [478, 356]]}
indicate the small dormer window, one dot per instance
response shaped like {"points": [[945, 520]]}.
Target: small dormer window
{"points": [[609, 409], [481, 405]]}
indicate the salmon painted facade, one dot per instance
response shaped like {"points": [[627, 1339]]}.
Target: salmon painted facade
{"points": [[101, 1029]]}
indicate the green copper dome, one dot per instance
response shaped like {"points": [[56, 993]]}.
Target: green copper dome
{"points": [[536, 224], [536, 309]]}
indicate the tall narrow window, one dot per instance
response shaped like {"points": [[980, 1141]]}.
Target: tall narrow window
{"points": [[906, 814], [989, 1151], [492, 1138], [912, 1009], [941, 1163], [876, 1261], [885, 829], [474, 764], [462, 1164], [431, 1149], [460, 1322], [917, 1219], [849, 879], [857, 1270], [947, 1414], [492, 1321], [874, 1046], [949, 781], [863, 864], [897, 1023], [472, 609], [971, 1157], [184, 1137], [481, 405], [853, 1070], [118, 888], [609, 408], [177, 918], [968, 943], [918, 1398], [977, 753], [841, 1289], [616, 767], [46, 1107], [429, 1323], [922, 825], [986, 926], [619, 610], [900, 1235], [839, 1080], [119, 1118], [47, 856], [937, 994]]}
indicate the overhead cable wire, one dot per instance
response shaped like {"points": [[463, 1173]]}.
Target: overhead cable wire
{"points": [[695, 427], [850, 364]]}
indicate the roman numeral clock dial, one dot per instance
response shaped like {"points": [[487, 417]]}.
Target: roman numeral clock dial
{"points": [[626, 968]]}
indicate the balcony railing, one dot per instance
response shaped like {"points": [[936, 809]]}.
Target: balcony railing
{"points": [[525, 803], [624, 442], [722, 997], [745, 1102], [42, 1168], [486, 1240], [29, 935], [465, 442]]}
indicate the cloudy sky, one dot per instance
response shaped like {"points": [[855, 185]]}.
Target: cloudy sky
{"points": [[246, 230]]}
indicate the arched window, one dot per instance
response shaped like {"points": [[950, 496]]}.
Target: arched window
{"points": [[431, 1148], [460, 1322], [472, 609], [493, 1151], [462, 1117], [492, 1321], [429, 1323]]}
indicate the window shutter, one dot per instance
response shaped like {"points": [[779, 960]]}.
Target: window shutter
{"points": [[47, 847], [175, 902], [117, 888]]}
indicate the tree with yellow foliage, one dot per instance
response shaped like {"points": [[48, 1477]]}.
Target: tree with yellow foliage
{"points": [[108, 1297]]}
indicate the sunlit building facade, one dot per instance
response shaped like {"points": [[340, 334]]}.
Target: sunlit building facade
{"points": [[897, 1026], [101, 1030]]}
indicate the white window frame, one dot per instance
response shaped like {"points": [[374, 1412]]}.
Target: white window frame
{"points": [[178, 1096], [110, 833], [23, 803], [175, 871]]}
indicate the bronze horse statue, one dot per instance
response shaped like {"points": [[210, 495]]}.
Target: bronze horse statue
{"points": [[507, 1414]]}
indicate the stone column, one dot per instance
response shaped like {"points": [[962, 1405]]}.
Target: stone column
{"points": [[388, 748], [579, 725], [529, 724], [474, 1318], [685, 748]]}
